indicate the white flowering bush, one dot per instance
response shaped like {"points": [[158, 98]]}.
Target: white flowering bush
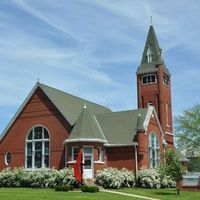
{"points": [[19, 177], [115, 178], [149, 178], [154, 178], [166, 180]]}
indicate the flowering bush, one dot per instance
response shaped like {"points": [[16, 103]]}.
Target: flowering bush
{"points": [[153, 178], [19, 177], [115, 178]]}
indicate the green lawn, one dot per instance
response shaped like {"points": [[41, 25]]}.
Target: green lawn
{"points": [[50, 194], [163, 194]]}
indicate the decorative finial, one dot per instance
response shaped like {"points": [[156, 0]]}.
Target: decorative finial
{"points": [[84, 106], [151, 20], [38, 77]]}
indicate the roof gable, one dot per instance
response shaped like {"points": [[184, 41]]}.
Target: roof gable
{"points": [[70, 106], [119, 128], [152, 111]]}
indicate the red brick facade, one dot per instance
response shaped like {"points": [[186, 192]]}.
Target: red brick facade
{"points": [[38, 111], [41, 111], [160, 95]]}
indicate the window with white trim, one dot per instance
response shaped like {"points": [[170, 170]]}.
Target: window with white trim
{"points": [[99, 154], [37, 148], [75, 151], [166, 80], [7, 158], [154, 151], [150, 103], [151, 78]]}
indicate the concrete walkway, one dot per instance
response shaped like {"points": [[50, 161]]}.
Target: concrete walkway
{"points": [[130, 195]]}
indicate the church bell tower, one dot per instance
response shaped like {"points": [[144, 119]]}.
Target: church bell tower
{"points": [[154, 84]]}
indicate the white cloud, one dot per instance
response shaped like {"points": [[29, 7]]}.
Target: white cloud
{"points": [[83, 46]]}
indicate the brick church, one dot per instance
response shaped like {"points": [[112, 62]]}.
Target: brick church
{"points": [[52, 126]]}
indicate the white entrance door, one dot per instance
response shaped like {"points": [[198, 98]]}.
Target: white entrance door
{"points": [[88, 162]]}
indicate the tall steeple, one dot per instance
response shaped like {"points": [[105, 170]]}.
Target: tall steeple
{"points": [[152, 55], [154, 85]]}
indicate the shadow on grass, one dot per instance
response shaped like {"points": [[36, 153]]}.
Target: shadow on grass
{"points": [[172, 193]]}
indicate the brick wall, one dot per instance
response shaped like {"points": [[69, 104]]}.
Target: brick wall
{"points": [[38, 111]]}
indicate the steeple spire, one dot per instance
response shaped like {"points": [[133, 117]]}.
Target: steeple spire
{"points": [[152, 54], [152, 44]]}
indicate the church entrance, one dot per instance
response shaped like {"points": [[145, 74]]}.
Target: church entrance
{"points": [[88, 160]]}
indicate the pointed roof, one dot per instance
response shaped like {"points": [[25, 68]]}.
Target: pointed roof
{"points": [[156, 52], [86, 129]]}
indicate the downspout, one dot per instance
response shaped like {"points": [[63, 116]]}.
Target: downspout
{"points": [[136, 162]]}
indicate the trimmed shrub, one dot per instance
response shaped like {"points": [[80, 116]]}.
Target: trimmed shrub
{"points": [[115, 178], [84, 188], [58, 188], [71, 187], [91, 189], [63, 188]]}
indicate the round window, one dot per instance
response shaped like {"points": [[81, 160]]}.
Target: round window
{"points": [[8, 158]]}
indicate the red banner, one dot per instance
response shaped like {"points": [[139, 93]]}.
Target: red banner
{"points": [[77, 167]]}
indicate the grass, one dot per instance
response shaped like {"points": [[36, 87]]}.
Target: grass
{"points": [[163, 194], [51, 194]]}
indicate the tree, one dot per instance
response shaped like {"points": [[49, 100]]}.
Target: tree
{"points": [[173, 168], [187, 130]]}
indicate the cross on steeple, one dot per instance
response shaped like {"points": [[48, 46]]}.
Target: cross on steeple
{"points": [[151, 21]]}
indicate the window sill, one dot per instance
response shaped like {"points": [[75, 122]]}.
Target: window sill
{"points": [[166, 85], [148, 83], [36, 169], [99, 162], [71, 162]]}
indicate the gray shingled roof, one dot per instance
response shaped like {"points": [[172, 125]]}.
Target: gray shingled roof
{"points": [[120, 128], [152, 42], [94, 123], [86, 128], [70, 106]]}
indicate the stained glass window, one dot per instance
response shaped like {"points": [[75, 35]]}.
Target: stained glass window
{"points": [[37, 148]]}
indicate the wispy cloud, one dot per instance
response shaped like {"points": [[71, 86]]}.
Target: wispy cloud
{"points": [[92, 48]]}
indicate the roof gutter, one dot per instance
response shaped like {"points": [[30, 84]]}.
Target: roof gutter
{"points": [[121, 145], [84, 140]]}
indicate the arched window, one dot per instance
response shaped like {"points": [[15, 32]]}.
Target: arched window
{"points": [[154, 157], [7, 158], [37, 148]]}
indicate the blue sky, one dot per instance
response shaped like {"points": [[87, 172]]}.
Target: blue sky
{"points": [[92, 48]]}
